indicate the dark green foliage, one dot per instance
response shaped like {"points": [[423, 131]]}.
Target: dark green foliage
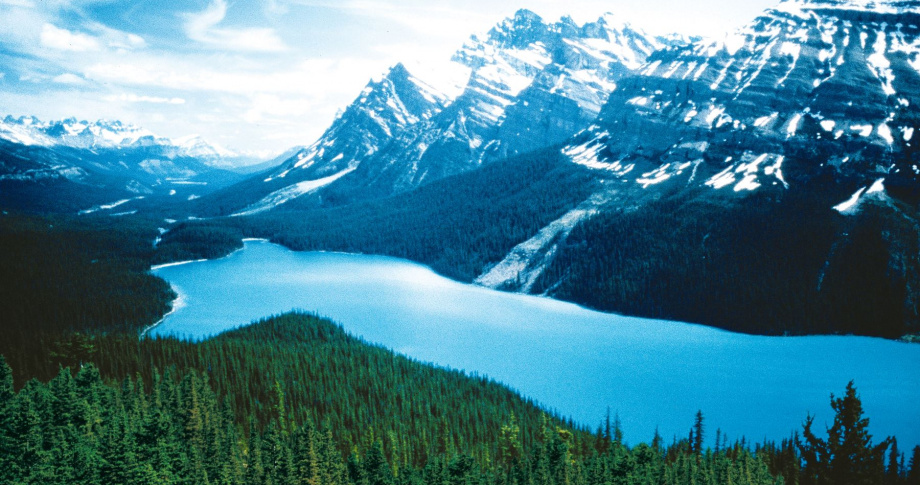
{"points": [[764, 266], [893, 471], [189, 241], [304, 369], [175, 431], [240, 408], [457, 226], [698, 433], [64, 274], [848, 455], [913, 475]]}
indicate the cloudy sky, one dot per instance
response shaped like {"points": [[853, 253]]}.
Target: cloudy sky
{"points": [[262, 75]]}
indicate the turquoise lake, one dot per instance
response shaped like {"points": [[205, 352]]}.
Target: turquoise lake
{"points": [[652, 373]]}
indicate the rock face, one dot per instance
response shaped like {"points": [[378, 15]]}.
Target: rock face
{"points": [[803, 87], [528, 85]]}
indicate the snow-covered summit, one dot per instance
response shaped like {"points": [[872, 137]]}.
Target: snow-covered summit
{"points": [[524, 84], [71, 132], [196, 146], [104, 134], [807, 88]]}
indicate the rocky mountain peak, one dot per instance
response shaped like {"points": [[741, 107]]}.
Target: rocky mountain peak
{"points": [[528, 83], [104, 134], [519, 31], [809, 87]]}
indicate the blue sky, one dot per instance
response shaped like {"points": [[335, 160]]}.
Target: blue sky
{"points": [[262, 75]]}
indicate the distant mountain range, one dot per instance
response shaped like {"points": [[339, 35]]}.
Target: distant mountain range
{"points": [[102, 163]]}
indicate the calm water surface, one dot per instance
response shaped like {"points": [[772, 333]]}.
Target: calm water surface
{"points": [[652, 373]]}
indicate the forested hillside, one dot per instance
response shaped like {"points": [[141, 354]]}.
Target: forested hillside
{"points": [[294, 399], [61, 274], [785, 266], [177, 426], [457, 226]]}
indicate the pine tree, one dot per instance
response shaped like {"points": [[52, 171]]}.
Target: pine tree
{"points": [[255, 470], [6, 385], [617, 430], [913, 476], [376, 468], [7, 394], [893, 473], [698, 433], [848, 456], [307, 456], [509, 443]]}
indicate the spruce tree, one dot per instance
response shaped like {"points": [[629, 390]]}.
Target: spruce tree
{"points": [[698, 433], [848, 456], [913, 476], [6, 385], [893, 473]]}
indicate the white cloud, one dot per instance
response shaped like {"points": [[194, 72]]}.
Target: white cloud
{"points": [[133, 98], [202, 27], [115, 38], [65, 40], [276, 7], [18, 3], [69, 78], [441, 20], [318, 77]]}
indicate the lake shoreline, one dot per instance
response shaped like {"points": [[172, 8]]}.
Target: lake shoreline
{"points": [[563, 355], [908, 339]]}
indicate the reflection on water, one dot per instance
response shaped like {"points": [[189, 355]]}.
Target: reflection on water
{"points": [[652, 373]]}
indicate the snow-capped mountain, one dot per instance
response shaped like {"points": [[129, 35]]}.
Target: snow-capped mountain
{"points": [[808, 114], [805, 86], [31, 131], [110, 159], [528, 84], [104, 134], [197, 147]]}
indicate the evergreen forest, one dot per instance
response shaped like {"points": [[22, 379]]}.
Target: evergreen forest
{"points": [[85, 398]]}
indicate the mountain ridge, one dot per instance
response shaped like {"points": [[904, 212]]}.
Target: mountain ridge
{"points": [[530, 84]]}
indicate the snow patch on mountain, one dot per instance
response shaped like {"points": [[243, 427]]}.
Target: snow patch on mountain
{"points": [[524, 264], [851, 205], [290, 193], [109, 206]]}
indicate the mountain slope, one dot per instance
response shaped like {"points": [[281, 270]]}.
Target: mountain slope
{"points": [[804, 86], [528, 85], [773, 172]]}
